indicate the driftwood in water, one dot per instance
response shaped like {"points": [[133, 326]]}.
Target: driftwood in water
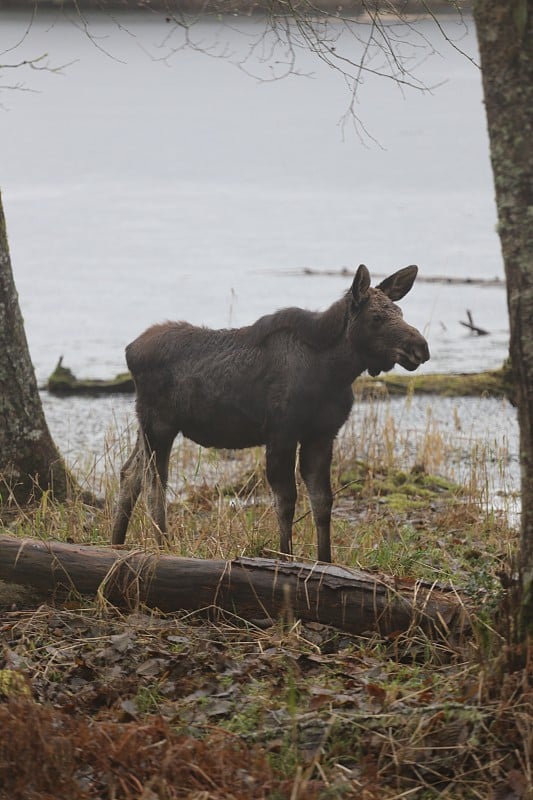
{"points": [[493, 383], [254, 589], [63, 382], [439, 279], [473, 328]]}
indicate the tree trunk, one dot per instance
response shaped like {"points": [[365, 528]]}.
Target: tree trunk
{"points": [[505, 34], [254, 589], [29, 460]]}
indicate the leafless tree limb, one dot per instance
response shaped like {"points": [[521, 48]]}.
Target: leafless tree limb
{"points": [[377, 38], [38, 63]]}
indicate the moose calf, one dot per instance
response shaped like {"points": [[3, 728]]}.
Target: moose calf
{"points": [[284, 381]]}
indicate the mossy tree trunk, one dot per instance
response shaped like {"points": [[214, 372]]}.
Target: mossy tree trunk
{"points": [[29, 460], [505, 35]]}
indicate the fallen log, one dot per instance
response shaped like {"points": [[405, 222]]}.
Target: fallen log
{"points": [[492, 383], [254, 589], [449, 280], [63, 382]]}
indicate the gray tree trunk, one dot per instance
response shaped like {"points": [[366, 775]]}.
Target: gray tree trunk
{"points": [[29, 460], [505, 35]]}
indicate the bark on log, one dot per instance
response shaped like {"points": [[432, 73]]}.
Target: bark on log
{"points": [[260, 588]]}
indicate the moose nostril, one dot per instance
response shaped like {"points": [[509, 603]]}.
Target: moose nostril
{"points": [[421, 351]]}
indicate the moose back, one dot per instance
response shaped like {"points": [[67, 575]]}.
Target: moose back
{"points": [[283, 382]]}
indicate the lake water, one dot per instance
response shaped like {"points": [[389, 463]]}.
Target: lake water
{"points": [[141, 185]]}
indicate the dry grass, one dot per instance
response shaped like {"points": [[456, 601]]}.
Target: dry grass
{"points": [[383, 474], [145, 706]]}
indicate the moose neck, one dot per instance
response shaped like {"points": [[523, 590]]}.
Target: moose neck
{"points": [[330, 325], [334, 330], [329, 333]]}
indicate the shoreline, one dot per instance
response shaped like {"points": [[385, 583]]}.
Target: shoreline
{"points": [[174, 9]]}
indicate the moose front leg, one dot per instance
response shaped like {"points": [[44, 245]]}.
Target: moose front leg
{"points": [[280, 463], [315, 468]]}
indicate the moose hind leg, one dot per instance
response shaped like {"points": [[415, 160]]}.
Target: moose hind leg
{"points": [[131, 476], [315, 468], [280, 463], [158, 453]]}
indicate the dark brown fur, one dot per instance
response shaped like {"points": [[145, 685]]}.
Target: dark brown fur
{"points": [[283, 381]]}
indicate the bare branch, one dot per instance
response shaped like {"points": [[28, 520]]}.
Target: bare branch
{"points": [[38, 64], [23, 36], [379, 39], [82, 23], [446, 38], [33, 63]]}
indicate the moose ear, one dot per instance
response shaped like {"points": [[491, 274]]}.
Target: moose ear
{"points": [[396, 286], [361, 284]]}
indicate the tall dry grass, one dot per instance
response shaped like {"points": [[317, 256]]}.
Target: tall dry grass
{"points": [[409, 499]]}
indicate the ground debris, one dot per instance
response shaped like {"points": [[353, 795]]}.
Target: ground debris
{"points": [[144, 705]]}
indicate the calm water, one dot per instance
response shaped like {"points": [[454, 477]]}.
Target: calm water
{"points": [[140, 186]]}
